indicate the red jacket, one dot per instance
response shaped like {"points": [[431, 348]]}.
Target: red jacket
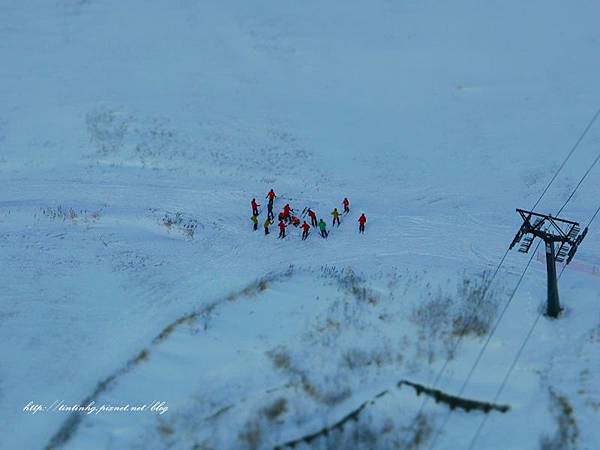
{"points": [[271, 195], [305, 227], [312, 214], [362, 219], [281, 226], [345, 202], [286, 210], [254, 204]]}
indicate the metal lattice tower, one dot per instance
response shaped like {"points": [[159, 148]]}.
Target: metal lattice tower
{"points": [[553, 231]]}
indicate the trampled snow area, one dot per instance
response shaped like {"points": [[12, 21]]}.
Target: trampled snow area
{"points": [[133, 135]]}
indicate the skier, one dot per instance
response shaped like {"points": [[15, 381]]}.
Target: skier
{"points": [[336, 217], [271, 196], [287, 210], [295, 221], [346, 205], [323, 228], [254, 207], [254, 220], [266, 225], [305, 228], [282, 229], [361, 223], [313, 217], [270, 214]]}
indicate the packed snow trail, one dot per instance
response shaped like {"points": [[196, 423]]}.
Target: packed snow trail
{"points": [[429, 116]]}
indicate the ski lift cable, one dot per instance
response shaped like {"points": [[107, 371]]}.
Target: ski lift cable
{"points": [[535, 322], [493, 277], [483, 348], [581, 137], [593, 217], [492, 331], [519, 352], [580, 182], [506, 377], [509, 371]]}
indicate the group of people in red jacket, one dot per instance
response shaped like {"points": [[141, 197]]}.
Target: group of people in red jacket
{"points": [[288, 217]]}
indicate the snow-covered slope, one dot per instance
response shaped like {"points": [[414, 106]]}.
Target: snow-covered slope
{"points": [[133, 136]]}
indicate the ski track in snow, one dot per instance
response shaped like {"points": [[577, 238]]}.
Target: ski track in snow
{"points": [[432, 118]]}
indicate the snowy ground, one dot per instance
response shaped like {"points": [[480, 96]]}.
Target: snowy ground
{"points": [[435, 119]]}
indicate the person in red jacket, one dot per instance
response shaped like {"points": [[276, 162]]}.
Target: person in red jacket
{"points": [[287, 210], [282, 229], [295, 221], [313, 217], [361, 223], [305, 228], [254, 207], [271, 196], [346, 205]]}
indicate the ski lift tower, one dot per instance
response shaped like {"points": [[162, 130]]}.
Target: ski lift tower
{"points": [[553, 231]]}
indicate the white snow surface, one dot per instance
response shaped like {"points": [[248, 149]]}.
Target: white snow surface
{"points": [[437, 119]]}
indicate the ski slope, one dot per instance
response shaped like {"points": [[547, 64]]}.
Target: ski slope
{"points": [[436, 120]]}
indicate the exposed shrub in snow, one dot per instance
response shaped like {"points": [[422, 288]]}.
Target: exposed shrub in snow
{"points": [[351, 283], [444, 317], [106, 130], [368, 432], [164, 429], [477, 306], [140, 141], [71, 214], [355, 358], [276, 409], [281, 358], [566, 435], [231, 147], [130, 261], [433, 321], [328, 389], [178, 221], [414, 437], [156, 141], [251, 435], [355, 436]]}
